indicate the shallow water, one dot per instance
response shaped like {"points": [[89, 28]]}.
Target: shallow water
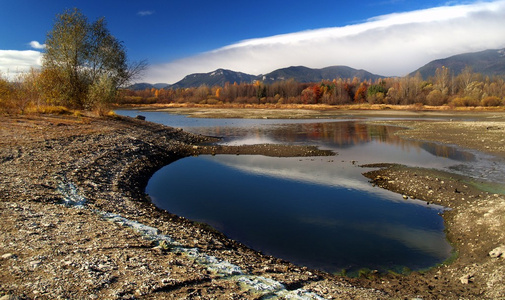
{"points": [[316, 212]]}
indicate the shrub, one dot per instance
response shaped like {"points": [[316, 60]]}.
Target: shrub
{"points": [[464, 102], [491, 101], [101, 94], [436, 98], [212, 101], [6, 91]]}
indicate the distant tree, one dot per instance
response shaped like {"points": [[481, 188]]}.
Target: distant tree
{"points": [[308, 96], [6, 93], [465, 78], [361, 93], [376, 88], [82, 55], [317, 93], [442, 79], [436, 98]]}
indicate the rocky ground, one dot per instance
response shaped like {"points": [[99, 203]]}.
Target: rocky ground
{"points": [[77, 225]]}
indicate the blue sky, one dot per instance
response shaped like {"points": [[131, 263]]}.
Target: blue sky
{"points": [[182, 37]]}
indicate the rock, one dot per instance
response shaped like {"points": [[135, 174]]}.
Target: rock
{"points": [[466, 279], [498, 252], [35, 263], [8, 256], [140, 117]]}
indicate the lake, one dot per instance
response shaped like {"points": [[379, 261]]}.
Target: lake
{"points": [[319, 212]]}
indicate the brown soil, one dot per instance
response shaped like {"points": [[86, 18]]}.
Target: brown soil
{"points": [[50, 251]]}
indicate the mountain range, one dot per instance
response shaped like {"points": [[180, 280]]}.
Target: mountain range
{"points": [[488, 63]]}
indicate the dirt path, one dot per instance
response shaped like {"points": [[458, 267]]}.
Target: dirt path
{"points": [[119, 246]]}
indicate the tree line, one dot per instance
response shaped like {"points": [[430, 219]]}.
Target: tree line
{"points": [[444, 88]]}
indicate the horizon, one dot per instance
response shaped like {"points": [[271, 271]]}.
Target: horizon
{"points": [[390, 38]]}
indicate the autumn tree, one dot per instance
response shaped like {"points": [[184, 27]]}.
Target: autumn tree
{"points": [[442, 79], [6, 92], [86, 60], [361, 93]]}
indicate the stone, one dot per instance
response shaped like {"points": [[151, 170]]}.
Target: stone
{"points": [[466, 279], [8, 256], [498, 252]]}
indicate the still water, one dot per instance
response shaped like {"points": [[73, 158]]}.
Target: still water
{"points": [[316, 212]]}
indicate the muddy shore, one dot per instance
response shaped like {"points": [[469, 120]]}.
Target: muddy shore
{"points": [[119, 246]]}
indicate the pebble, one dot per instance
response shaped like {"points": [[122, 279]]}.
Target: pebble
{"points": [[8, 256], [498, 252], [466, 279]]}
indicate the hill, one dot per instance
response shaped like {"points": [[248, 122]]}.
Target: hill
{"points": [[143, 86], [304, 74], [299, 74], [488, 63], [217, 77]]}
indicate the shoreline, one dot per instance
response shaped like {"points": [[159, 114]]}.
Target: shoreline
{"points": [[110, 162]]}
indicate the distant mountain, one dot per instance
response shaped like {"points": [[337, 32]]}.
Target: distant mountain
{"points": [[488, 63], [161, 85], [304, 74], [218, 77], [299, 74], [143, 86], [140, 86]]}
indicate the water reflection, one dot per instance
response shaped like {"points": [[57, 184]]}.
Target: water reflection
{"points": [[313, 212], [333, 135], [316, 212]]}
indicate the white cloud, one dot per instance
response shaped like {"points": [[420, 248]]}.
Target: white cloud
{"points": [[37, 45], [144, 13], [13, 62], [391, 45]]}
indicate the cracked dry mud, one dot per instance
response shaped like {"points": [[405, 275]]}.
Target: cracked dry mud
{"points": [[49, 250]]}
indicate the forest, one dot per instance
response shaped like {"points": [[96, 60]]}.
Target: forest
{"points": [[445, 88]]}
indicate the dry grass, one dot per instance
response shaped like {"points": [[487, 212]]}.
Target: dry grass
{"points": [[365, 106], [48, 110]]}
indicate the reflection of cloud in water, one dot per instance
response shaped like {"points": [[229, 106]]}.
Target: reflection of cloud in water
{"points": [[325, 171], [313, 172], [316, 171], [429, 242], [250, 140]]}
